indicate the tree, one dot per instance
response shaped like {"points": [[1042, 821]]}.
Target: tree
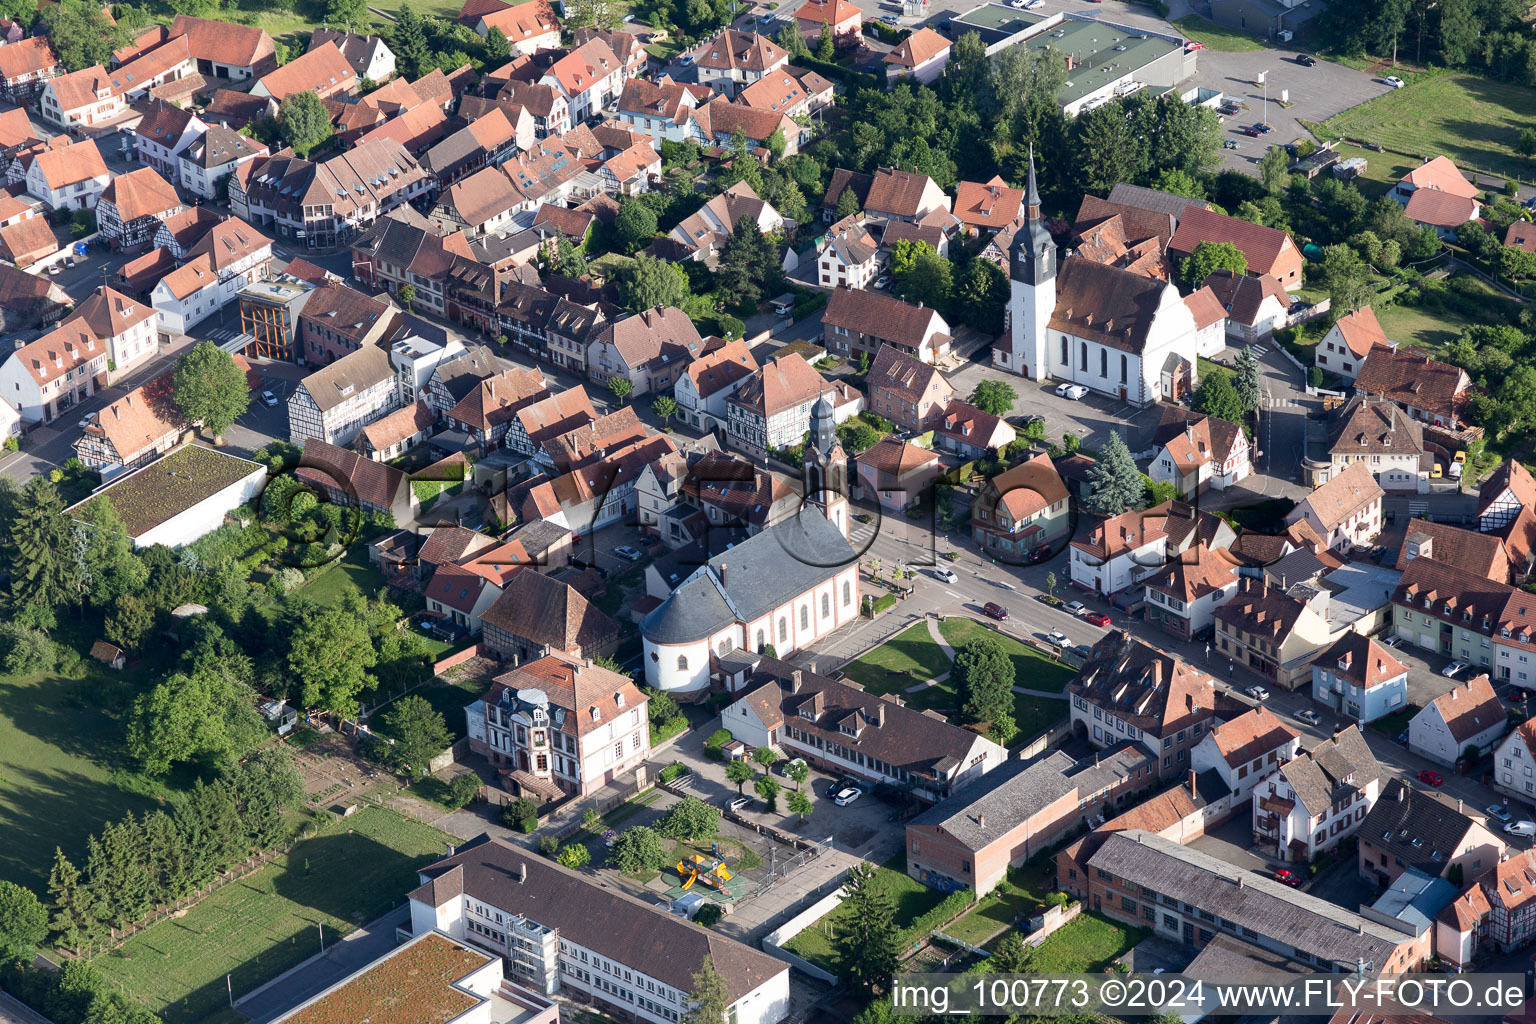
{"points": [[792, 42], [1108, 151], [798, 771], [330, 656], [765, 756], [70, 919], [799, 803], [43, 572], [521, 814], [1346, 278], [1114, 482], [303, 120], [1051, 583], [637, 849], [210, 388], [1180, 183], [621, 387], [81, 34], [1246, 380], [866, 939], [23, 923], [607, 15], [1525, 142], [708, 915], [690, 818], [666, 407], [711, 996], [768, 788], [567, 260], [574, 856], [635, 222], [1275, 170], [775, 144], [748, 266], [649, 282], [930, 281], [1209, 257], [825, 44], [346, 13], [408, 40], [591, 820], [983, 675], [109, 567], [847, 204], [419, 732], [1217, 396], [180, 719], [407, 295], [739, 772], [981, 296], [994, 396]]}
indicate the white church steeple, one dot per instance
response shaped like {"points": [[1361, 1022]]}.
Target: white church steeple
{"points": [[1032, 273]]}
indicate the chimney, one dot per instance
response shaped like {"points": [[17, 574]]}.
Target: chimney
{"points": [[880, 714], [795, 678], [724, 576], [1240, 879], [981, 820], [576, 670], [1192, 794], [1459, 808], [522, 873], [1359, 927], [1189, 703], [1402, 794]]}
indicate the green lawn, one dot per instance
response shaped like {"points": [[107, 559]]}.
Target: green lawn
{"points": [[448, 700], [994, 912], [1217, 37], [1382, 170], [1393, 724], [1473, 120], [908, 658], [57, 783], [1036, 714], [1086, 946], [326, 586], [262, 925], [913, 899], [1031, 669], [1429, 329]]}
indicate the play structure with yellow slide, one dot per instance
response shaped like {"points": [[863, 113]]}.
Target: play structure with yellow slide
{"points": [[709, 870]]}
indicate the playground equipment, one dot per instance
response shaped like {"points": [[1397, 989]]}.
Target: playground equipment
{"points": [[709, 870]]}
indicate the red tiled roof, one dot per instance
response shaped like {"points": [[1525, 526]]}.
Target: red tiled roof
{"points": [[1442, 175], [1440, 209]]}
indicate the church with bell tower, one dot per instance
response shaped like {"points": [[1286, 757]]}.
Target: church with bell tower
{"points": [[1122, 334], [824, 470]]}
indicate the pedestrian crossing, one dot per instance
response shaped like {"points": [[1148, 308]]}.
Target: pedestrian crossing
{"points": [[1282, 403]]}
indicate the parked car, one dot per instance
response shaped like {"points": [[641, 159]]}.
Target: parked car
{"points": [[847, 796], [85, 420], [846, 782], [1402, 737], [1452, 669], [628, 553], [1309, 716], [1394, 81], [1392, 641], [1430, 777], [1040, 554], [1264, 127], [268, 399], [1075, 607], [864, 517], [883, 281], [1083, 651], [996, 611], [1250, 131], [784, 767], [1257, 692], [1500, 812], [1097, 618], [1192, 46], [1072, 392], [1228, 143], [1521, 828], [945, 574], [738, 802], [1306, 60], [1287, 877], [69, 262], [53, 270], [686, 60], [1058, 638]]}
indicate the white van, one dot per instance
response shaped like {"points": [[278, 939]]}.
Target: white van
{"points": [[1521, 828]]}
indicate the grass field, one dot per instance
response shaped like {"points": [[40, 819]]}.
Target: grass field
{"points": [[1382, 170], [1473, 120], [259, 927], [1086, 946], [1430, 330], [913, 899], [1217, 37], [1031, 669], [57, 785], [995, 911], [908, 658], [326, 587]]}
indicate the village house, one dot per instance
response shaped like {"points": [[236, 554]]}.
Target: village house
{"points": [[1467, 720], [1130, 690], [163, 134], [1198, 452], [903, 195], [707, 382], [851, 255], [387, 439], [338, 320], [1269, 251], [1345, 511], [24, 66], [1455, 611], [731, 60], [1255, 306], [1273, 632], [1372, 432], [1022, 514], [906, 390], [68, 177], [224, 50], [1515, 762], [127, 327], [1426, 389], [922, 56], [842, 17], [352, 481], [859, 323], [45, 378], [322, 70], [1351, 339], [1182, 596], [1495, 915], [971, 433], [537, 616], [1246, 750], [1122, 551], [204, 166], [649, 349], [368, 55], [1484, 554], [133, 431], [491, 407], [703, 234], [1411, 830], [529, 27], [1315, 801], [897, 473], [133, 206], [992, 206], [772, 408], [335, 402]]}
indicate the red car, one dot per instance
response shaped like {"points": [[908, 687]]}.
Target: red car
{"points": [[1430, 777], [1285, 877], [996, 611], [1192, 46], [1097, 618]]}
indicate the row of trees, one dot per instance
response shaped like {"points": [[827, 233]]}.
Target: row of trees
{"points": [[1490, 35], [136, 864]]}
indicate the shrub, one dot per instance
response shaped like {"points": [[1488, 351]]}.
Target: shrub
{"points": [[549, 845], [637, 849], [1315, 376], [27, 650], [463, 789], [709, 915], [714, 746], [672, 771], [952, 905], [574, 856], [521, 814]]}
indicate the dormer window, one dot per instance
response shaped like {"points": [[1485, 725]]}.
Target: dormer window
{"points": [[618, 699], [597, 716], [807, 714]]}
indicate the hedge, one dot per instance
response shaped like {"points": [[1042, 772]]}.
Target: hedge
{"points": [[953, 905], [805, 307], [880, 605], [837, 73], [672, 771]]}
